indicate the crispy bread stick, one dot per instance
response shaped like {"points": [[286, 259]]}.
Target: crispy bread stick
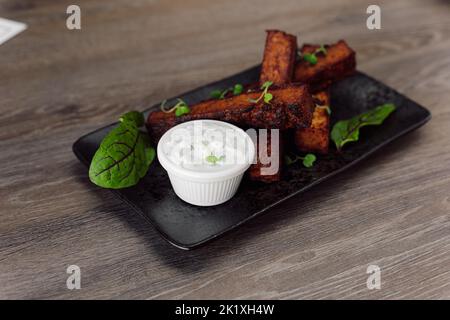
{"points": [[292, 106], [316, 138], [337, 63], [279, 58], [255, 172], [277, 66]]}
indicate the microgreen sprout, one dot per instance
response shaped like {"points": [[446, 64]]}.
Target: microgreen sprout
{"points": [[214, 159], [312, 57], [180, 108], [321, 49], [308, 160], [220, 94], [238, 89], [265, 94]]}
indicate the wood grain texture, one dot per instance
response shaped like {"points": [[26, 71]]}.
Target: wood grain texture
{"points": [[55, 85]]}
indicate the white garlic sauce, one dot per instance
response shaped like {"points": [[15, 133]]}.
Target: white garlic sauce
{"points": [[205, 146]]}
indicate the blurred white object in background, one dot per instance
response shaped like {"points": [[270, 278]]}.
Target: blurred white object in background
{"points": [[9, 29]]}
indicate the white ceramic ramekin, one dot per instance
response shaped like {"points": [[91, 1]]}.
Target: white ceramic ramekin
{"points": [[205, 188]]}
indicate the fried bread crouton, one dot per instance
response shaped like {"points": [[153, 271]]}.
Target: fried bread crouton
{"points": [[316, 138], [279, 58], [338, 62], [292, 106]]}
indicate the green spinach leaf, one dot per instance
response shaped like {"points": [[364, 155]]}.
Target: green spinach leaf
{"points": [[135, 117], [124, 154], [348, 130]]}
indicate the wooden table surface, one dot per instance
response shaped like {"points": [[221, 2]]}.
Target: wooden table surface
{"points": [[55, 85]]}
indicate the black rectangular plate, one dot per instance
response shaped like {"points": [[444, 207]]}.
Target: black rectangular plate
{"points": [[187, 226]]}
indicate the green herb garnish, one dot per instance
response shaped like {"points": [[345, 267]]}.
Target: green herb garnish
{"points": [[268, 97], [312, 57], [216, 94], [124, 155], [180, 108], [348, 130], [308, 160], [265, 94], [220, 94], [322, 49], [238, 89], [213, 159], [224, 93]]}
